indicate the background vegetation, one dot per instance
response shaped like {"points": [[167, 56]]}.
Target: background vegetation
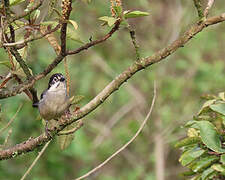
{"points": [[192, 71]]}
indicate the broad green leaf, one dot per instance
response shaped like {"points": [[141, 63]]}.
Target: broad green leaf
{"points": [[118, 10], [6, 63], [218, 167], [203, 163], [206, 105], [197, 177], [135, 14], [34, 15], [190, 155], [15, 2], [222, 96], [187, 141], [220, 108], [188, 173], [209, 136], [73, 35], [74, 23], [207, 173], [110, 20], [190, 123], [222, 159]]}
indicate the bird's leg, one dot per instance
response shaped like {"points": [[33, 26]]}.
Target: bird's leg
{"points": [[47, 133]]}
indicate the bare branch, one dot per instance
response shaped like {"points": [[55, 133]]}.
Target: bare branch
{"points": [[208, 7], [66, 10], [22, 43], [11, 120], [26, 70], [92, 43], [33, 143], [35, 161], [125, 145], [134, 41]]}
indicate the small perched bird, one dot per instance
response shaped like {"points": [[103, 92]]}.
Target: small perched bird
{"points": [[54, 101]]}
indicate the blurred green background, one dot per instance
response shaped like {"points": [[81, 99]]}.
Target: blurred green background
{"points": [[181, 79]]}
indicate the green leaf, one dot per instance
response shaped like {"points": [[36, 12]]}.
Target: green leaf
{"points": [[73, 35], [218, 167], [220, 108], [222, 159], [135, 14], [6, 63], [190, 155], [203, 163], [118, 10], [206, 105], [65, 140], [15, 2], [187, 141], [110, 20], [74, 23], [209, 136], [207, 173], [20, 72], [47, 23], [34, 15], [222, 96]]}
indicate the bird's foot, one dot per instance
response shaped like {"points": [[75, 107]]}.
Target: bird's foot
{"points": [[47, 132]]}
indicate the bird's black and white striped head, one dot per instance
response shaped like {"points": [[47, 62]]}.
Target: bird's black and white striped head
{"points": [[55, 80]]}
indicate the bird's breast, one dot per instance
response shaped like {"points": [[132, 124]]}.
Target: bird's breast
{"points": [[53, 105]]}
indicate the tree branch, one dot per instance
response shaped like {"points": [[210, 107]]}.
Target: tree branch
{"points": [[66, 10], [20, 88], [33, 143], [92, 43], [208, 7], [22, 43]]}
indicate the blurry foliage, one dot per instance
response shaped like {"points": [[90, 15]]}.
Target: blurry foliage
{"points": [[204, 147], [196, 69]]}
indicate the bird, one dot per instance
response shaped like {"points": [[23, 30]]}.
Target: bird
{"points": [[54, 101]]}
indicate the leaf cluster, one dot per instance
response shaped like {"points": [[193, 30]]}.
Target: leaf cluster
{"points": [[203, 150]]}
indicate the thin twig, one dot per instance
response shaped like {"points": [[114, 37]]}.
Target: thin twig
{"points": [[124, 146], [71, 131], [208, 7], [198, 7], [35, 161], [92, 43], [6, 139], [66, 10], [22, 43], [11, 120], [134, 41]]}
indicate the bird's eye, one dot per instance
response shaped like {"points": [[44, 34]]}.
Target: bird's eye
{"points": [[62, 79]]}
